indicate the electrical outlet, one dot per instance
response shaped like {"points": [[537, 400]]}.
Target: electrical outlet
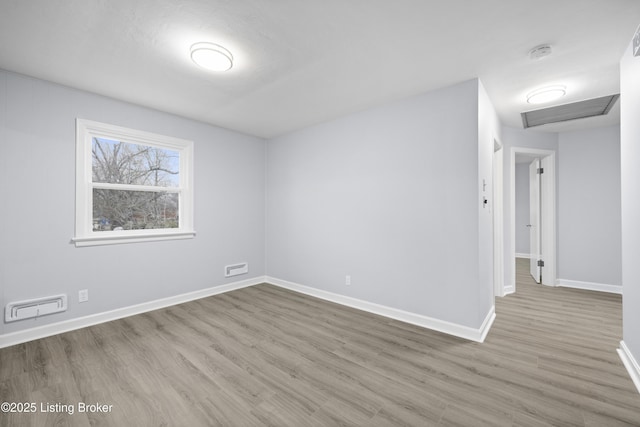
{"points": [[347, 280], [83, 295]]}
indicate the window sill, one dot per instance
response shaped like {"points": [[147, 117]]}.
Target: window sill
{"points": [[119, 239]]}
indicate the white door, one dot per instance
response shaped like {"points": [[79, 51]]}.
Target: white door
{"points": [[534, 220]]}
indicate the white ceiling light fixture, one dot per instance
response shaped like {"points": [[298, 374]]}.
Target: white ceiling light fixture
{"points": [[211, 56], [546, 94]]}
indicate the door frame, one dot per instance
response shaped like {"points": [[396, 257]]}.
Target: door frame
{"points": [[535, 220], [498, 218], [547, 215]]}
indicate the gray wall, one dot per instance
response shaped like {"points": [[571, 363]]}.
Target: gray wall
{"points": [[630, 155], [589, 229], [522, 208], [390, 196], [37, 176]]}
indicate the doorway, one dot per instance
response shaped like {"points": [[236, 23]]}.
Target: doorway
{"points": [[542, 227], [528, 236]]}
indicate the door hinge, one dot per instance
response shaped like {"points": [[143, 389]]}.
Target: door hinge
{"points": [[540, 170], [540, 263]]}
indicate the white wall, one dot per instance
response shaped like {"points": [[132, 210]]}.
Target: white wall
{"points": [[522, 208], [390, 196], [37, 176], [630, 155], [589, 229], [489, 131]]}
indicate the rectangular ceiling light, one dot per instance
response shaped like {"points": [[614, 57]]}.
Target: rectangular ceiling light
{"points": [[576, 110]]}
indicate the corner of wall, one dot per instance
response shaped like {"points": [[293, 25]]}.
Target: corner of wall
{"points": [[630, 363], [265, 204], [472, 334], [488, 132], [630, 199]]}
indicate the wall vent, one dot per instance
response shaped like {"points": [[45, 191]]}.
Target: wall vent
{"points": [[576, 110], [236, 269], [34, 308]]}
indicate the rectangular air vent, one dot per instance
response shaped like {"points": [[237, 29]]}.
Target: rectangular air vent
{"points": [[34, 308], [576, 110], [236, 269]]}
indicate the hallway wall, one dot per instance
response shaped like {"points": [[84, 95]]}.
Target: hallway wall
{"points": [[589, 210], [630, 155]]}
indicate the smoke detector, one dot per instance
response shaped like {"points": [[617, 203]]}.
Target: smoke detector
{"points": [[540, 52]]}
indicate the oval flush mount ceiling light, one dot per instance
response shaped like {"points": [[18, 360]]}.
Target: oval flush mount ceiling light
{"points": [[546, 94], [211, 56]]}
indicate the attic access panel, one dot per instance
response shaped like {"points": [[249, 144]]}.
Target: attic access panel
{"points": [[576, 110]]}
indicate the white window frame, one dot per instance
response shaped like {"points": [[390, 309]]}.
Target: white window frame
{"points": [[86, 130]]}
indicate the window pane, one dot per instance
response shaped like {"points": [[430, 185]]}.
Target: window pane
{"points": [[134, 210], [120, 162]]}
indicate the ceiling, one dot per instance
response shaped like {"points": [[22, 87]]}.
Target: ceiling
{"points": [[301, 62]]}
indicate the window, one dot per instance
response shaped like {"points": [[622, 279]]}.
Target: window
{"points": [[131, 186]]}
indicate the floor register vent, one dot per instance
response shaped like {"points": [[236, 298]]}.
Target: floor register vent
{"points": [[32, 308], [236, 269]]}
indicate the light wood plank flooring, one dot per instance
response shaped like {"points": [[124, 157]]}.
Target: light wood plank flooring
{"points": [[268, 356]]}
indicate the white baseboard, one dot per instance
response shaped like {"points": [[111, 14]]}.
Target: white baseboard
{"points": [[486, 325], [44, 331], [630, 363], [19, 337], [589, 286], [461, 331], [520, 255], [509, 290]]}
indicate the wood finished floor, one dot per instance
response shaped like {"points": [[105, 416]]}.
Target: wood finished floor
{"points": [[268, 356]]}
